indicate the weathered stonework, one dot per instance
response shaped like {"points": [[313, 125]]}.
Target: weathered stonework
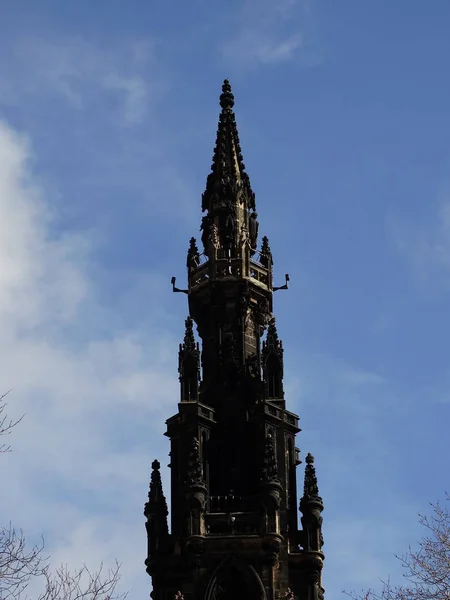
{"points": [[234, 517]]}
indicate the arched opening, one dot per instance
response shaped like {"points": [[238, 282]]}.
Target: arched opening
{"points": [[235, 579]]}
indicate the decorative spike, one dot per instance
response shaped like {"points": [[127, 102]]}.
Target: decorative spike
{"points": [[193, 255], [156, 495], [272, 343], [226, 97], [266, 253], [195, 469], [189, 343], [270, 468], [311, 489]]}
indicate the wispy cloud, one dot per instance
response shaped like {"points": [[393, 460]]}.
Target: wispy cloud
{"points": [[268, 33], [77, 70], [86, 385]]}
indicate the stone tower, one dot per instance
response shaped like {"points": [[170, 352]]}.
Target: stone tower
{"points": [[234, 515]]}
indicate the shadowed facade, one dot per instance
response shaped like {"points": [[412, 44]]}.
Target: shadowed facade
{"points": [[234, 515]]}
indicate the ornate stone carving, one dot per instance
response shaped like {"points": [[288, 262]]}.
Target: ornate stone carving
{"points": [[244, 239], [195, 469], [262, 312], [272, 547], [213, 242]]}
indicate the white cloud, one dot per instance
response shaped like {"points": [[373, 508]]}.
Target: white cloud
{"points": [[270, 32], [135, 95], [76, 70], [80, 462], [255, 45]]}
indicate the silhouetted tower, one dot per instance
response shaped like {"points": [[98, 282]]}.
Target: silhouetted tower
{"points": [[234, 520]]}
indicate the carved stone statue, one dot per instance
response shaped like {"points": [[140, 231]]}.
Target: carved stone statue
{"points": [[204, 228], [213, 242], [253, 227], [245, 240], [228, 228]]}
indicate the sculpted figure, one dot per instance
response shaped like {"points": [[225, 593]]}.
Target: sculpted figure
{"points": [[204, 228], [228, 229], [213, 241], [244, 237], [253, 230]]}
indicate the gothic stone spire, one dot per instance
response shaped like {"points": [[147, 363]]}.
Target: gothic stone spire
{"points": [[156, 500], [156, 512], [272, 357], [189, 344], [189, 364], [311, 507], [310, 488], [227, 169]]}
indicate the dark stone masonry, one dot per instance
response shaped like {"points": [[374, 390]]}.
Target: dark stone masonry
{"points": [[234, 529]]}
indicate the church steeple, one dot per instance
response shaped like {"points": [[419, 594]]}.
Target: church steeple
{"points": [[234, 513]]}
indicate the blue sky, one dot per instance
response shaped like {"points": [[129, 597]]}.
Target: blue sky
{"points": [[108, 115]]}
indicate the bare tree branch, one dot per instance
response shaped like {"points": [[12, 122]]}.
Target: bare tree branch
{"points": [[427, 569], [82, 584], [5, 426], [18, 564]]}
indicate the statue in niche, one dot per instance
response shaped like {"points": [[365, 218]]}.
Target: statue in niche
{"points": [[253, 227], [213, 242], [205, 229], [229, 226], [245, 240]]}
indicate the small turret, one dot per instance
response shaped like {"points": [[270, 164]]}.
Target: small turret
{"points": [[311, 506], [272, 361], [189, 364], [156, 512], [266, 253]]}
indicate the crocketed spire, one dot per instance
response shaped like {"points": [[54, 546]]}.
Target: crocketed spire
{"points": [[310, 488], [272, 344], [266, 253], [156, 507], [227, 169], [156, 496], [189, 342]]}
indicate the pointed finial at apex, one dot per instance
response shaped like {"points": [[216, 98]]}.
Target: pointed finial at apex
{"points": [[156, 465], [309, 459], [226, 97]]}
